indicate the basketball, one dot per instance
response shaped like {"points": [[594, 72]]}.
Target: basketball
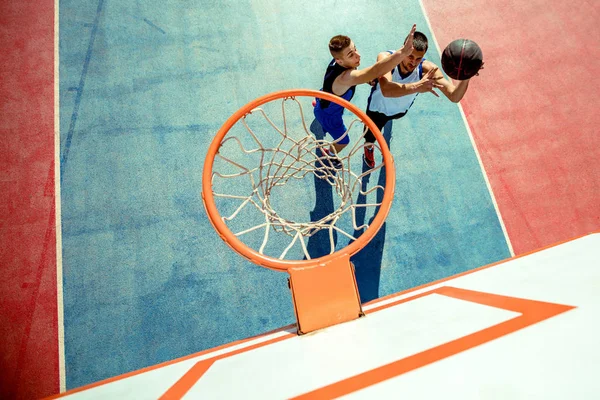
{"points": [[462, 59]]}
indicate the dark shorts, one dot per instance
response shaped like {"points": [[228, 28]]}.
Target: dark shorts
{"points": [[380, 121]]}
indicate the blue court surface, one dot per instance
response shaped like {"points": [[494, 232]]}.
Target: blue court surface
{"points": [[144, 86]]}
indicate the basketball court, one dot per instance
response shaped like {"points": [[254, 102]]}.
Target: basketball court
{"points": [[114, 275], [488, 333]]}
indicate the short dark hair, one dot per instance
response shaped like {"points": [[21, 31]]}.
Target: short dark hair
{"points": [[338, 43], [420, 42]]}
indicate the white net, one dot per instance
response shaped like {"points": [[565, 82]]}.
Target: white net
{"points": [[271, 169]]}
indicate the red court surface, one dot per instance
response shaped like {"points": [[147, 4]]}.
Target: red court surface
{"points": [[532, 113], [533, 110], [28, 322]]}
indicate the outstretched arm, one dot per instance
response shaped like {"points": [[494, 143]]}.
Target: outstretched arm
{"points": [[356, 77], [454, 93], [394, 89]]}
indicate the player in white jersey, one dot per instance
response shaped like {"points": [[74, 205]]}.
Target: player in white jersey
{"points": [[395, 92]]}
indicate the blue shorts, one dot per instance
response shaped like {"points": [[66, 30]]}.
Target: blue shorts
{"points": [[332, 124]]}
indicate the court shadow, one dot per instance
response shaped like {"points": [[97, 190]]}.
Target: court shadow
{"points": [[318, 244], [367, 262], [316, 129], [175, 304]]}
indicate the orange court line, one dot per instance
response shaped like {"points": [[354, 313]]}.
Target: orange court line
{"points": [[290, 335], [531, 311], [448, 278], [185, 383], [171, 362]]}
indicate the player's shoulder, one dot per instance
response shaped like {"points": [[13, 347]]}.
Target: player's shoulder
{"points": [[347, 76], [428, 65], [384, 54]]}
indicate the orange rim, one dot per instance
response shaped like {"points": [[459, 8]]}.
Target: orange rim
{"points": [[270, 262]]}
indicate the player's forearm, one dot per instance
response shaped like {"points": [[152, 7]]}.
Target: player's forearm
{"points": [[459, 91], [393, 89], [385, 65]]}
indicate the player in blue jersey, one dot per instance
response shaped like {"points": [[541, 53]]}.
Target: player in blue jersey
{"points": [[395, 92], [341, 79]]}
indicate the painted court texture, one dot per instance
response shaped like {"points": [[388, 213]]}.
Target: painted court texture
{"points": [[488, 315], [140, 276]]}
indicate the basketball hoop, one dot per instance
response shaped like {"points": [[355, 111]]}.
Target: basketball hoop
{"points": [[253, 165]]}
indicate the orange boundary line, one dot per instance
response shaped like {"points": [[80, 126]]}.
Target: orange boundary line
{"points": [[189, 379], [290, 335], [531, 311], [391, 296], [175, 361]]}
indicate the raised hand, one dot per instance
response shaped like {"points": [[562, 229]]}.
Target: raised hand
{"points": [[408, 44], [429, 82]]}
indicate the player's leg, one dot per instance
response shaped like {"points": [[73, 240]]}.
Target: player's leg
{"points": [[340, 136], [334, 126], [380, 120]]}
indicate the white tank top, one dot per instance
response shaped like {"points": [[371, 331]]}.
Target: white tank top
{"points": [[395, 105]]}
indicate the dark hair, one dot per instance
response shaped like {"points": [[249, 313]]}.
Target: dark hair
{"points": [[419, 41], [338, 43]]}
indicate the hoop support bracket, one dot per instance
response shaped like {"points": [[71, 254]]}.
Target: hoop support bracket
{"points": [[325, 294]]}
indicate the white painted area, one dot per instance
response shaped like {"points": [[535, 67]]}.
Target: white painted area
{"points": [[556, 358], [538, 274], [569, 274], [152, 384], [292, 367], [149, 385]]}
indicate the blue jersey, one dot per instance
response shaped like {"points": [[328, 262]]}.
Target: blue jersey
{"points": [[333, 71], [330, 114]]}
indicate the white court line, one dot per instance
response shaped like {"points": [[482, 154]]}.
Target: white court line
{"points": [[462, 113], [57, 213]]}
